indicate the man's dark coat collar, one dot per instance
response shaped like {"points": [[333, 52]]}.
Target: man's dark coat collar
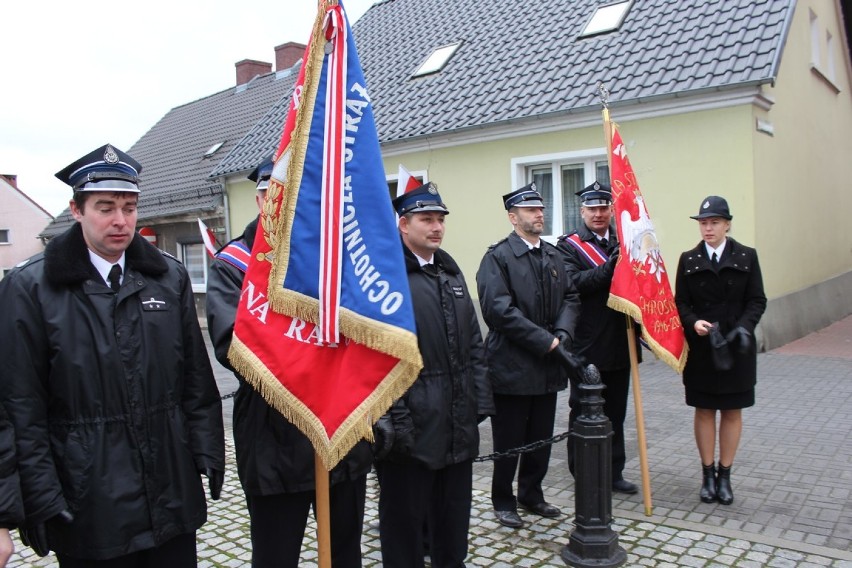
{"points": [[66, 257]]}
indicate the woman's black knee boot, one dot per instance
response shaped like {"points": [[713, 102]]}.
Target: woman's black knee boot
{"points": [[708, 484], [723, 486]]}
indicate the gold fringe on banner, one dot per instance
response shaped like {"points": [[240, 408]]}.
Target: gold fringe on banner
{"points": [[359, 424], [620, 304]]}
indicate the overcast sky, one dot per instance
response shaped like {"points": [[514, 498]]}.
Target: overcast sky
{"points": [[76, 75]]}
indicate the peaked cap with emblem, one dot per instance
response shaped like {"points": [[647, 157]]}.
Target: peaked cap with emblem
{"points": [[595, 195], [713, 206], [527, 196], [262, 173], [419, 200], [104, 169]]}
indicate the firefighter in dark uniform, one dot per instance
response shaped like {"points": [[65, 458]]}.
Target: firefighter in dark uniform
{"points": [[601, 336], [427, 474], [719, 289], [275, 461], [108, 385], [11, 507], [531, 308]]}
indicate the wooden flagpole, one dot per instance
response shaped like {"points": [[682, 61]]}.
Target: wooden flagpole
{"points": [[322, 511], [321, 474], [631, 340]]}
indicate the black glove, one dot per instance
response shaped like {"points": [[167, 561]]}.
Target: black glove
{"points": [[403, 433], [572, 363], [383, 437], [563, 337], [609, 265], [35, 536], [481, 418], [215, 480], [739, 337]]}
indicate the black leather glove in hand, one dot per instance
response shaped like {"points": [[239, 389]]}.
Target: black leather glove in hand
{"points": [[383, 437], [563, 337], [609, 265], [215, 480], [403, 434], [572, 363], [35, 536], [740, 338]]}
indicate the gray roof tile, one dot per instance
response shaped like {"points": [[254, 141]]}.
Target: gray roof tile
{"points": [[517, 60], [174, 177]]}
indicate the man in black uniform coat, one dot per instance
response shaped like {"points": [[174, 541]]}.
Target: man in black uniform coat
{"points": [[530, 307], [275, 461], [601, 335], [11, 507], [427, 475], [108, 385]]}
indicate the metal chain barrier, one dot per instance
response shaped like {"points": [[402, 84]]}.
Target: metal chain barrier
{"points": [[496, 455], [523, 449]]}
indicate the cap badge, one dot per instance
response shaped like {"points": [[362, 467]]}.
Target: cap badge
{"points": [[431, 188], [597, 186], [533, 187], [110, 156], [706, 204]]}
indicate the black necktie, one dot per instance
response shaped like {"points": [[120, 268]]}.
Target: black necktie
{"points": [[715, 260], [604, 244], [114, 277]]}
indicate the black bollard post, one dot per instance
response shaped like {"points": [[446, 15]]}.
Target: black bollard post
{"points": [[592, 542]]}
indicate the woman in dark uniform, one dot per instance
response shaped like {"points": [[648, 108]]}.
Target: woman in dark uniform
{"points": [[719, 285]]}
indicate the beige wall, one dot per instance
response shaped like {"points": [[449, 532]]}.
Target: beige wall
{"points": [[242, 205], [678, 160], [803, 172]]}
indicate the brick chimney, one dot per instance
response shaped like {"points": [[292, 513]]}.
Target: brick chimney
{"points": [[287, 54], [248, 69]]}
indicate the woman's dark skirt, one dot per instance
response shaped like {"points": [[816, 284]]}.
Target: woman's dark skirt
{"points": [[728, 401]]}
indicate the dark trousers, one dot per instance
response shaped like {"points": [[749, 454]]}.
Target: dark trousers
{"points": [[521, 420], [278, 525], [412, 495], [615, 408], [178, 552]]}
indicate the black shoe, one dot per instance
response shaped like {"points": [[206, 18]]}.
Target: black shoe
{"points": [[624, 486], [509, 519], [542, 509], [708, 484], [724, 493]]}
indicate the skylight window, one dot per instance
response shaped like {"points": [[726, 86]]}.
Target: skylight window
{"points": [[213, 149], [437, 59], [606, 18]]}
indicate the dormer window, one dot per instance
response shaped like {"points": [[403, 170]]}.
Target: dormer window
{"points": [[436, 60], [213, 149], [606, 18]]}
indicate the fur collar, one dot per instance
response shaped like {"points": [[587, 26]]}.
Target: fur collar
{"points": [[66, 258]]}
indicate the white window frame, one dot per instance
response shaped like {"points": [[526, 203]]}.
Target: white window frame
{"points": [[437, 59], [196, 287], [607, 18], [521, 172]]}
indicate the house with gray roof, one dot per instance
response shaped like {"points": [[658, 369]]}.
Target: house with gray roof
{"points": [[180, 151], [749, 100]]}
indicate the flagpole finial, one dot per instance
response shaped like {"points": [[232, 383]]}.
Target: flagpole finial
{"points": [[603, 94]]}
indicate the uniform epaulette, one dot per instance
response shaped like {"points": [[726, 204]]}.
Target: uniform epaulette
{"points": [[168, 254], [503, 240]]}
